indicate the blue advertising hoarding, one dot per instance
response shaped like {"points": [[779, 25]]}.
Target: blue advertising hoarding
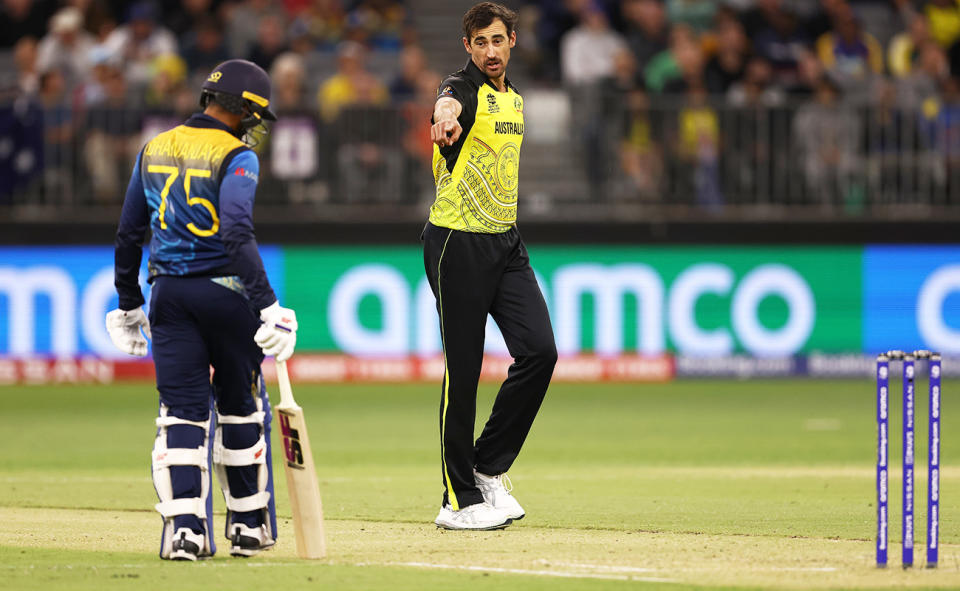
{"points": [[911, 298]]}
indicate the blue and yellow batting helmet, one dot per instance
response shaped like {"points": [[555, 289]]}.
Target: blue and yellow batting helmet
{"points": [[235, 84]]}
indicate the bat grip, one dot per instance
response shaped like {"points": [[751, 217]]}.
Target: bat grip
{"points": [[283, 380]]}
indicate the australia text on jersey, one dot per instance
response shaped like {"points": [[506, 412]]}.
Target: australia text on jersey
{"points": [[508, 127]]}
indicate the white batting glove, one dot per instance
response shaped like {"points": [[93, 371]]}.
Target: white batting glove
{"points": [[124, 326], [277, 335]]}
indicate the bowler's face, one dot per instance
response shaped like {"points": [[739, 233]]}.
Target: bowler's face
{"points": [[490, 48]]}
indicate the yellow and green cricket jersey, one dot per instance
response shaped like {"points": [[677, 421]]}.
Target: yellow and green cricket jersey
{"points": [[477, 177]]}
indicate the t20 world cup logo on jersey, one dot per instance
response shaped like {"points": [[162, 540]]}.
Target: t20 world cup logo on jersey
{"points": [[291, 442]]}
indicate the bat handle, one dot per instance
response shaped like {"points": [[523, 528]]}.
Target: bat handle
{"points": [[283, 380]]}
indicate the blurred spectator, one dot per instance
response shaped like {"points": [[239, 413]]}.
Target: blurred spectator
{"points": [[823, 18], [203, 47], [646, 29], [587, 51], [95, 88], [613, 110], [827, 138], [852, 56], [751, 131], [920, 87], [301, 41], [891, 134], [294, 142], [556, 18], [777, 36], [378, 23], [326, 23], [944, 17], [183, 17], [408, 82], [112, 139], [23, 18], [242, 21], [528, 50], [588, 58], [369, 161], [730, 58], [683, 57], [756, 89], [417, 147], [696, 13], [639, 149], [905, 48], [25, 59], [698, 148], [288, 74], [352, 84], [271, 41], [21, 145], [946, 136], [99, 18], [809, 72], [58, 133], [58, 116], [690, 64], [67, 47], [168, 76], [21, 123], [139, 41], [170, 112]]}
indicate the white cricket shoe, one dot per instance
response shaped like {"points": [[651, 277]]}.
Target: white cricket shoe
{"points": [[496, 491], [248, 541], [481, 516], [186, 545]]}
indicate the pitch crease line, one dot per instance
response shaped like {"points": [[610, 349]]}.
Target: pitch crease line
{"points": [[524, 571], [636, 569], [599, 567]]}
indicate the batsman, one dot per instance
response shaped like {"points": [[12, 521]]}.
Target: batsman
{"points": [[211, 305]]}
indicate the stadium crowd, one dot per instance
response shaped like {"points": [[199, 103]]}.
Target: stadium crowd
{"points": [[761, 99], [719, 101]]}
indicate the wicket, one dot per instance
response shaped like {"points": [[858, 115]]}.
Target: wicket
{"points": [[933, 451]]}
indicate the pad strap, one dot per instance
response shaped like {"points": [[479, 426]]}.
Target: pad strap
{"points": [[251, 503], [188, 506], [254, 419], [169, 420], [256, 454], [178, 456]]}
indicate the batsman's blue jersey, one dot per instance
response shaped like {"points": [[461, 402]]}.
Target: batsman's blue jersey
{"points": [[194, 186]]}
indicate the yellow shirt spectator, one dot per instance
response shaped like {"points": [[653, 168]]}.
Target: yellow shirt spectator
{"points": [[944, 20], [340, 91], [351, 85]]}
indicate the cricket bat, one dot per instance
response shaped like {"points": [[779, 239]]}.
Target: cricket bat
{"points": [[301, 472]]}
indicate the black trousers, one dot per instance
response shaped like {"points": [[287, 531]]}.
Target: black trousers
{"points": [[473, 275]]}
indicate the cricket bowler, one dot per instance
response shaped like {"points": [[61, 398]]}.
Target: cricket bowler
{"points": [[477, 264]]}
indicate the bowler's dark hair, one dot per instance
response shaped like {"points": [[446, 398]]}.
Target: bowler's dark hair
{"points": [[483, 14]]}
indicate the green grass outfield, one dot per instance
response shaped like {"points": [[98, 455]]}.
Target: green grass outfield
{"points": [[691, 484]]}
